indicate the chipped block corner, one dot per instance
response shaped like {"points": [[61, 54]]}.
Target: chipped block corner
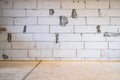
{"points": [[34, 30]]}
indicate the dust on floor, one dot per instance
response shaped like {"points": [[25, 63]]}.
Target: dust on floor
{"points": [[59, 70]]}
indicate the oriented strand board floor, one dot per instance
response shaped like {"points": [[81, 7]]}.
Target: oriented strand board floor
{"points": [[59, 70]]}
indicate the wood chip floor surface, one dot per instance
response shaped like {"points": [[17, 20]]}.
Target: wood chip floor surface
{"points": [[59, 70]]}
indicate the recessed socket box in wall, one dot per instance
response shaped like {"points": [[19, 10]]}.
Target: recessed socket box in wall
{"points": [[2, 29]]}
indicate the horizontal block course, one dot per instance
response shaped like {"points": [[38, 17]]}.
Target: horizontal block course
{"points": [[97, 4], [88, 53], [85, 29], [5, 5], [64, 53], [25, 5], [98, 21], [115, 21], [114, 45], [49, 5], [115, 5], [59, 29], [73, 5], [40, 53], [47, 45], [23, 45], [16, 53], [93, 37], [71, 45], [5, 45], [37, 29], [48, 21], [70, 37], [6, 21], [96, 45], [14, 13], [25, 21], [44, 37], [110, 13], [22, 37]]}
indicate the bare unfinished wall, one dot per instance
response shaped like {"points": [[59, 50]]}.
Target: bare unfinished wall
{"points": [[35, 33]]}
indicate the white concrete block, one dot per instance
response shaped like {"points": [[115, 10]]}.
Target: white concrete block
{"points": [[25, 5], [112, 53], [70, 37], [34, 13], [44, 37], [23, 58], [22, 37], [48, 21], [23, 45], [115, 5], [88, 53], [66, 13], [116, 59], [114, 45], [49, 5], [59, 29], [97, 4], [96, 45], [0, 12], [73, 5], [37, 29], [98, 21], [14, 13], [85, 29], [45, 13], [6, 21], [16, 53], [71, 45], [87, 13], [14, 29], [46, 58], [115, 21], [98, 59], [64, 53], [5, 45], [93, 37], [104, 53], [110, 29], [5, 5], [1, 52], [3, 37], [76, 21], [47, 45], [113, 38], [110, 13], [40, 53], [25, 21], [73, 58]]}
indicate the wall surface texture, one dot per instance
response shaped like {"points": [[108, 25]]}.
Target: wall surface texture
{"points": [[34, 34]]}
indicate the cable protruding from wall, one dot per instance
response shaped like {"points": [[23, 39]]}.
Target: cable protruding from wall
{"points": [[9, 37], [99, 13], [85, 3], [57, 37], [25, 29]]}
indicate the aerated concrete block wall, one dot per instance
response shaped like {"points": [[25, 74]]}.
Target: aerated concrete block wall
{"points": [[33, 31]]}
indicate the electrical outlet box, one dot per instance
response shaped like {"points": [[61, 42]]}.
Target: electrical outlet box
{"points": [[2, 29]]}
